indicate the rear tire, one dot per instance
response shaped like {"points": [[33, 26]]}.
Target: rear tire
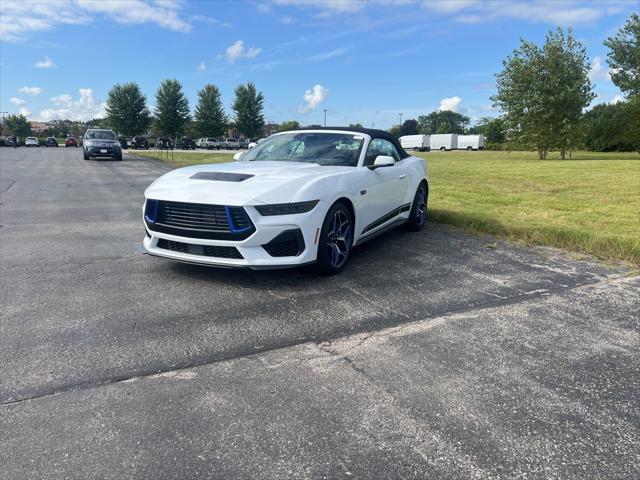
{"points": [[418, 214], [118, 157], [442, 149], [84, 154], [336, 240], [469, 149]]}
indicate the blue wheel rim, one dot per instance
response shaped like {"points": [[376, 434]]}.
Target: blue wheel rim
{"points": [[339, 239], [421, 205]]}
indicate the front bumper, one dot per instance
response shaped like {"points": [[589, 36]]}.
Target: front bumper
{"points": [[270, 246], [103, 151]]}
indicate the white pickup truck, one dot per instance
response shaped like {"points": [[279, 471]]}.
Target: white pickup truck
{"points": [[232, 144]]}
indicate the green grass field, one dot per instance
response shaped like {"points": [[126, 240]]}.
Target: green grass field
{"points": [[588, 204]]}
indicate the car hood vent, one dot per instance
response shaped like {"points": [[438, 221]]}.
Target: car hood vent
{"points": [[221, 176]]}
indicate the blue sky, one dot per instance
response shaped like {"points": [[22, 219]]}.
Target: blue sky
{"points": [[363, 61]]}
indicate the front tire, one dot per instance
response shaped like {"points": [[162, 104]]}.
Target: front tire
{"points": [[336, 240], [85, 155], [418, 214]]}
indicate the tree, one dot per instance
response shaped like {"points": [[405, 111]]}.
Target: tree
{"points": [[248, 106], [491, 128], [18, 125], [210, 119], [355, 125], [409, 127], [543, 92], [430, 124], [172, 109], [624, 56], [395, 131], [288, 125], [127, 109], [605, 128]]}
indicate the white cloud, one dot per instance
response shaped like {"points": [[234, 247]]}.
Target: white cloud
{"points": [[201, 66], [33, 91], [25, 112], [599, 70], [313, 98], [17, 101], [46, 62], [237, 50], [618, 98], [330, 6], [85, 107], [19, 19], [448, 6], [328, 55], [451, 103]]}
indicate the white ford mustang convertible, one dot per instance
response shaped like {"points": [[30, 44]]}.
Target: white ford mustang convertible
{"points": [[299, 197]]}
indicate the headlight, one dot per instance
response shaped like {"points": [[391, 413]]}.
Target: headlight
{"points": [[88, 144], [286, 208]]}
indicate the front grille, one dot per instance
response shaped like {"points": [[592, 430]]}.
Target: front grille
{"points": [[203, 250], [289, 243], [197, 220]]}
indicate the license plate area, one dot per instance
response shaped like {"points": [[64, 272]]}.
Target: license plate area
{"points": [[103, 150]]}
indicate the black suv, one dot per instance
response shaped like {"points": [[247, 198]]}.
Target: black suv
{"points": [[164, 143], [185, 143], [100, 142], [51, 142], [140, 142]]}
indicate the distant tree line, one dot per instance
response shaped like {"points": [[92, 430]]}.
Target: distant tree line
{"points": [[127, 111]]}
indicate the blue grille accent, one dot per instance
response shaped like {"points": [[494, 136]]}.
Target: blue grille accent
{"points": [[237, 219], [151, 211]]}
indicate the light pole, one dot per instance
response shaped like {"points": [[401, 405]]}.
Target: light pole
{"points": [[325, 117], [400, 121]]}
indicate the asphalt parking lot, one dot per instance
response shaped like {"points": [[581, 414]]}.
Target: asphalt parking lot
{"points": [[433, 355]]}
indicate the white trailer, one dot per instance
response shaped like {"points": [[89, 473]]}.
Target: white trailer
{"points": [[470, 142], [444, 141], [417, 143]]}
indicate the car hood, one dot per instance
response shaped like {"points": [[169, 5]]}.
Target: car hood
{"points": [[241, 183]]}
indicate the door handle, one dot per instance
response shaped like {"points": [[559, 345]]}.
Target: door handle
{"points": [[402, 177]]}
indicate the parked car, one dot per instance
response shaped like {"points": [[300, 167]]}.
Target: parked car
{"points": [[140, 142], [211, 143], [71, 142], [417, 143], [185, 143], [125, 142], [232, 144], [51, 142], [164, 143], [31, 142], [11, 141], [101, 142], [292, 200]]}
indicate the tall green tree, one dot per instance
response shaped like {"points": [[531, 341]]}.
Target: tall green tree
{"points": [[172, 109], [444, 127], [543, 91], [18, 125], [210, 119], [289, 125], [605, 128], [624, 56], [127, 109], [247, 107], [409, 127], [430, 124]]}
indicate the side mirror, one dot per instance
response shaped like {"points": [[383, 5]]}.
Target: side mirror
{"points": [[382, 161], [237, 156]]}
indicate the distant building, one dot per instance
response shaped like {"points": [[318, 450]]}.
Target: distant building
{"points": [[38, 127], [270, 128]]}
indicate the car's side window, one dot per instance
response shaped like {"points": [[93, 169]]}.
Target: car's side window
{"points": [[379, 146]]}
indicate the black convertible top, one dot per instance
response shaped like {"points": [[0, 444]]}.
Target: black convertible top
{"points": [[373, 133]]}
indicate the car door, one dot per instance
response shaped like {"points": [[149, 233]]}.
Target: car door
{"points": [[384, 187]]}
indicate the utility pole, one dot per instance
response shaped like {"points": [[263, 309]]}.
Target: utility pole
{"points": [[400, 122], [325, 117]]}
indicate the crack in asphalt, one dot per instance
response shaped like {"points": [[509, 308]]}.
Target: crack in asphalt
{"points": [[396, 319]]}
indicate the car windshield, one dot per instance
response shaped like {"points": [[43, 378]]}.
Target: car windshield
{"points": [[101, 135], [323, 148]]}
